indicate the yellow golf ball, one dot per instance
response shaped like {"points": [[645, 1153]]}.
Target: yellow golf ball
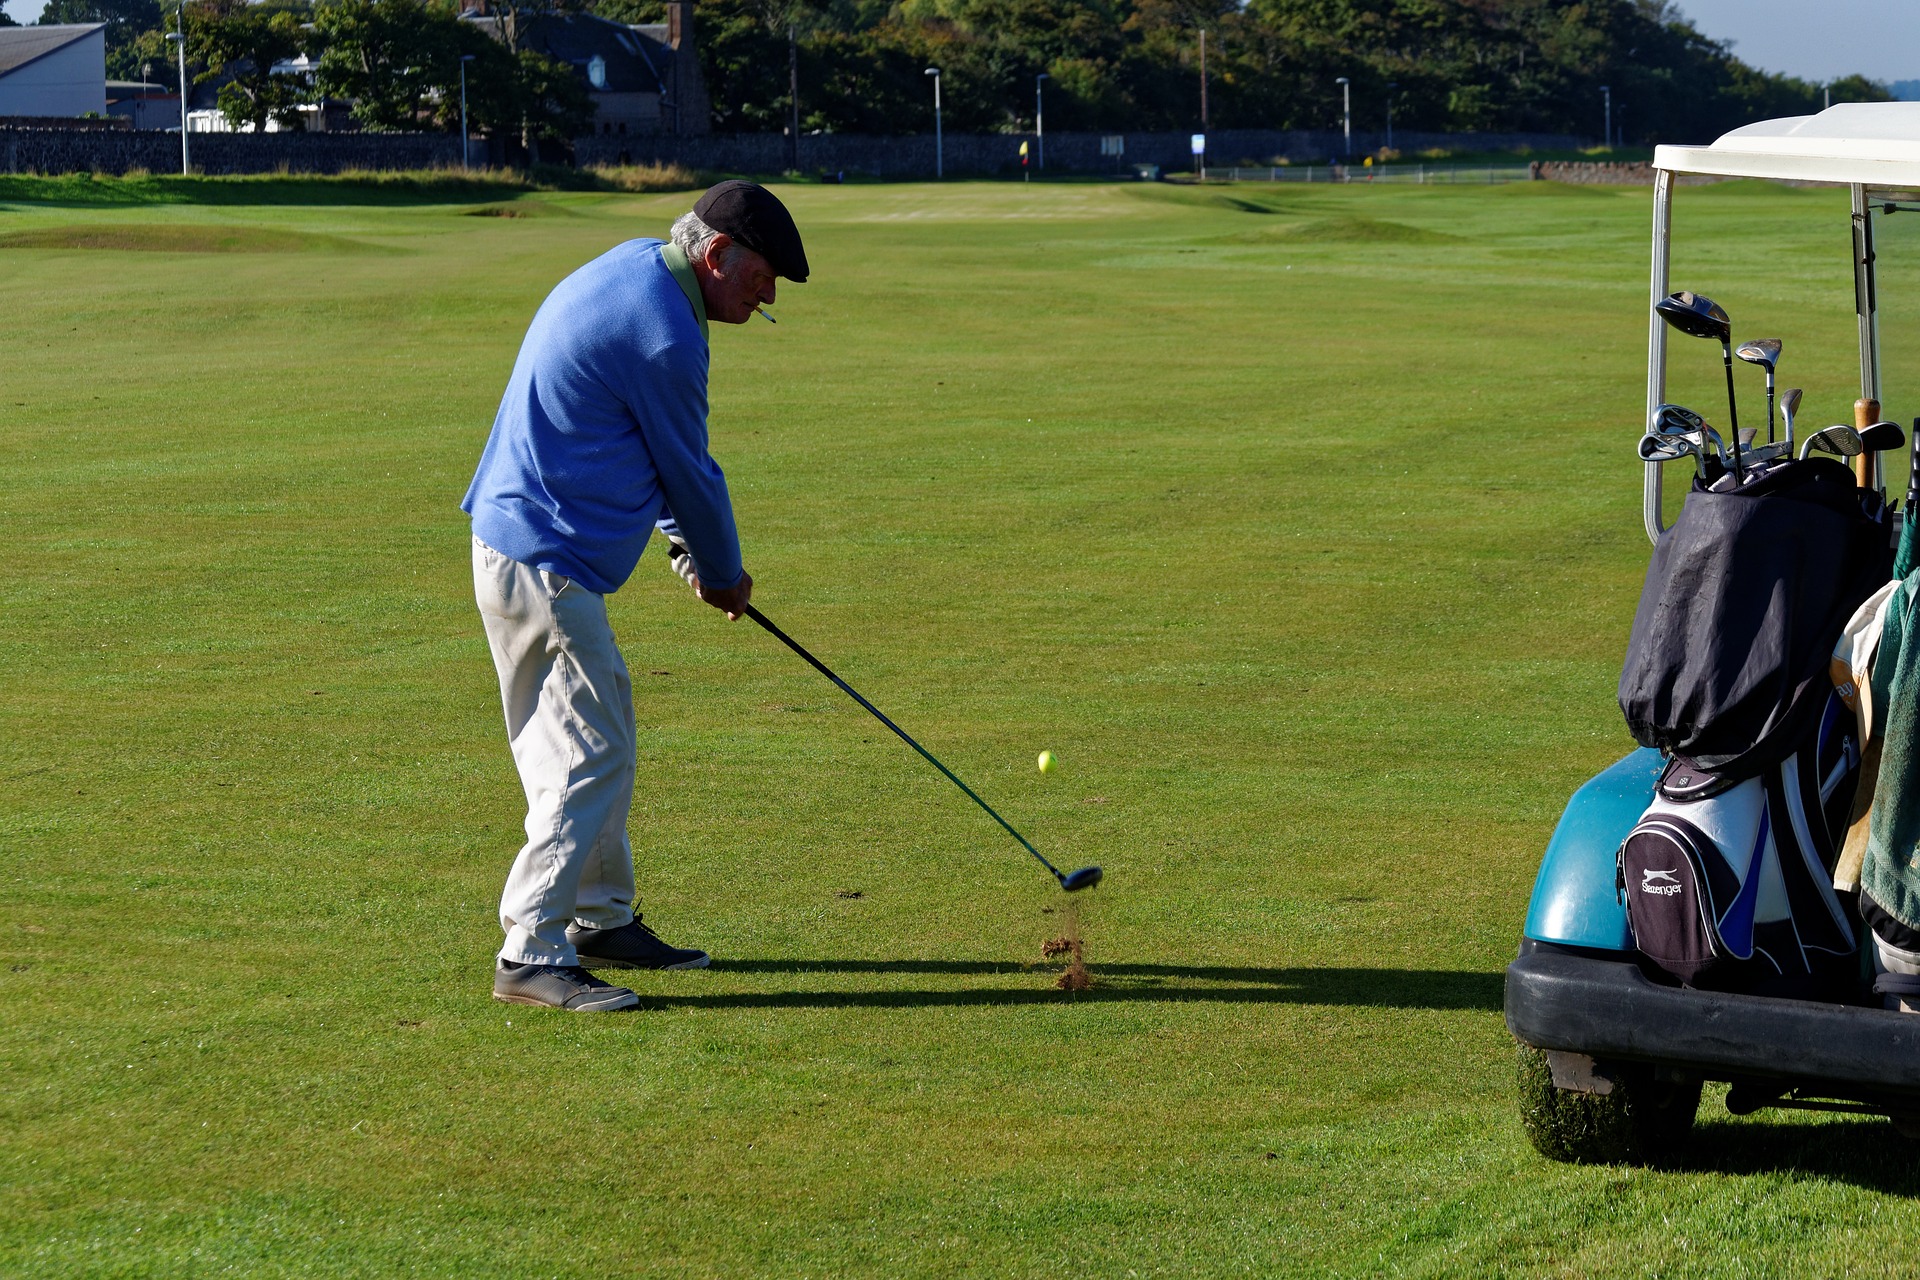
{"points": [[1046, 762]]}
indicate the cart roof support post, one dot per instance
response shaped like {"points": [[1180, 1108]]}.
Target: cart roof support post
{"points": [[1657, 339]]}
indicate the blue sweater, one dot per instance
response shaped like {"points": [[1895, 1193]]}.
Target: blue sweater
{"points": [[602, 431]]}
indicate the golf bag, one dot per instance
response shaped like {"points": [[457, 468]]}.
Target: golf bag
{"points": [[1727, 665], [1727, 877], [1728, 883]]}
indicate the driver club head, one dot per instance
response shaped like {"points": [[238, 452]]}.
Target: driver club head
{"points": [[1764, 352], [1837, 439], [1882, 436], [1696, 315], [1084, 878]]}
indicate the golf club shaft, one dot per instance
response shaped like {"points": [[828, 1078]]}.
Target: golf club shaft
{"points": [[1733, 415], [905, 737]]}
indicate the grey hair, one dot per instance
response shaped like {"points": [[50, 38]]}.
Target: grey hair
{"points": [[694, 238]]}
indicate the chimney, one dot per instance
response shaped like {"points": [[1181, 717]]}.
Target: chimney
{"points": [[692, 116]]}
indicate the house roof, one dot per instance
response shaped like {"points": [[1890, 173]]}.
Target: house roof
{"points": [[1875, 143], [634, 60], [21, 45]]}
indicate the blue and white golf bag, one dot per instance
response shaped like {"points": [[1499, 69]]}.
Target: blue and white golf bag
{"points": [[1728, 885]]}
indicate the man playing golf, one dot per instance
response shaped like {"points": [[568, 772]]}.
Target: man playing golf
{"points": [[601, 436]]}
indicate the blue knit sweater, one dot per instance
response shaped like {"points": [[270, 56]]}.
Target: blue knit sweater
{"points": [[602, 431]]}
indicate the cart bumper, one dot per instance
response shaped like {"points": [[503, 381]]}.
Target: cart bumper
{"points": [[1608, 1009]]}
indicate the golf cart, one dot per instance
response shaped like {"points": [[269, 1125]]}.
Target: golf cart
{"points": [[1614, 1047]]}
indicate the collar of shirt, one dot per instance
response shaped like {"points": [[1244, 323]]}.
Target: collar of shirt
{"points": [[670, 253]]}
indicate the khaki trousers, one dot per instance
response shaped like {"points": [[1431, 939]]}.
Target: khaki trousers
{"points": [[569, 707]]}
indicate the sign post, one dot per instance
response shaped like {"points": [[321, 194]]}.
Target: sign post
{"points": [[1200, 154]]}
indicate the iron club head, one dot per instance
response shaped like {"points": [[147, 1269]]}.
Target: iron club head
{"points": [[1764, 352], [1695, 314], [1789, 405], [1658, 446], [1084, 878], [1671, 418], [1841, 440], [1882, 436]]}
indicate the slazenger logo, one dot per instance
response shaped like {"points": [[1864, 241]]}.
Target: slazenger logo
{"points": [[1660, 882]]}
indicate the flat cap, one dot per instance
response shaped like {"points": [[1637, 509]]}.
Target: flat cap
{"points": [[754, 217]]}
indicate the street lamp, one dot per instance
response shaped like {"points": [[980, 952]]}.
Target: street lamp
{"points": [[1606, 92], [1039, 124], [465, 58], [939, 152], [180, 41], [1346, 115], [1392, 85]]}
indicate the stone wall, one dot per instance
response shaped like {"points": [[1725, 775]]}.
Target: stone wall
{"points": [[1614, 173], [118, 150], [998, 153]]}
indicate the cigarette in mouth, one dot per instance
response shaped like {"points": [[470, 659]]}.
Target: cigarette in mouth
{"points": [[769, 319]]}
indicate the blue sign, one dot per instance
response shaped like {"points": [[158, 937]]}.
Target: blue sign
{"points": [[1199, 144]]}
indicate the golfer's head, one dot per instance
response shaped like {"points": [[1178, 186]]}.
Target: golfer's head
{"points": [[739, 239]]}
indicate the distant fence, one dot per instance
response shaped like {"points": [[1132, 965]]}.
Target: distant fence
{"points": [[912, 156], [1397, 174], [116, 150]]}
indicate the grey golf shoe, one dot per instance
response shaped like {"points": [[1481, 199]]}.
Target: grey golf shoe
{"points": [[631, 946], [559, 987]]}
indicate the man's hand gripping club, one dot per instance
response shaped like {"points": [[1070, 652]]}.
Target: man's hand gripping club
{"points": [[732, 601]]}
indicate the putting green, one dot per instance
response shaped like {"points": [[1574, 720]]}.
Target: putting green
{"points": [[1302, 524]]}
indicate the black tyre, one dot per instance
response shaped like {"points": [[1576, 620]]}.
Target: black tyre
{"points": [[1640, 1120]]}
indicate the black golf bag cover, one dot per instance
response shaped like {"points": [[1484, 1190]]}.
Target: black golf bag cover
{"points": [[1728, 885], [1744, 599]]}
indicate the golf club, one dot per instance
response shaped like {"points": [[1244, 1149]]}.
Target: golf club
{"points": [[1882, 436], [1084, 878], [1678, 420], [1789, 405], [1658, 446], [1699, 316], [1764, 352], [1841, 440]]}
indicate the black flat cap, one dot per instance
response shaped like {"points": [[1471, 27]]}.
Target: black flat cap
{"points": [[754, 217]]}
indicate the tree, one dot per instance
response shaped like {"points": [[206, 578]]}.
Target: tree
{"points": [[391, 57], [125, 19], [242, 41], [5, 21]]}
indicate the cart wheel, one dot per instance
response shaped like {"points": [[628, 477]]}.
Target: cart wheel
{"points": [[1640, 1120]]}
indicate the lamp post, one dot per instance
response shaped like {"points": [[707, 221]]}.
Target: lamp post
{"points": [[1606, 93], [465, 58], [1039, 124], [939, 150], [793, 98], [180, 40], [1346, 116], [1392, 86]]}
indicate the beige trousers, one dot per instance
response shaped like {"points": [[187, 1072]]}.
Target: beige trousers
{"points": [[569, 707]]}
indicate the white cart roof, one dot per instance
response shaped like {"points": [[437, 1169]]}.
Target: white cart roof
{"points": [[1875, 143]]}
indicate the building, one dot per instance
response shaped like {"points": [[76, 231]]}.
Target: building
{"points": [[643, 79], [145, 105], [54, 71]]}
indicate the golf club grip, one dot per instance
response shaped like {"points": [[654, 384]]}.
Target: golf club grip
{"points": [[851, 692], [1866, 412]]}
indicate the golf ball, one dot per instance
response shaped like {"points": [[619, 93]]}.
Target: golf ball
{"points": [[1046, 762]]}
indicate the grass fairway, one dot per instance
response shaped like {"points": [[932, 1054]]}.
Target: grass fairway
{"points": [[1302, 525]]}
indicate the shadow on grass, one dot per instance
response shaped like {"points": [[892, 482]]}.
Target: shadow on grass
{"points": [[1866, 1153], [1117, 983]]}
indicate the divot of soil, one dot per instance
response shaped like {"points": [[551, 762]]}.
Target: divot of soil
{"points": [[1076, 976]]}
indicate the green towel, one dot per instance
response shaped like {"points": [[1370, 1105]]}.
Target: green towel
{"points": [[1890, 874]]}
